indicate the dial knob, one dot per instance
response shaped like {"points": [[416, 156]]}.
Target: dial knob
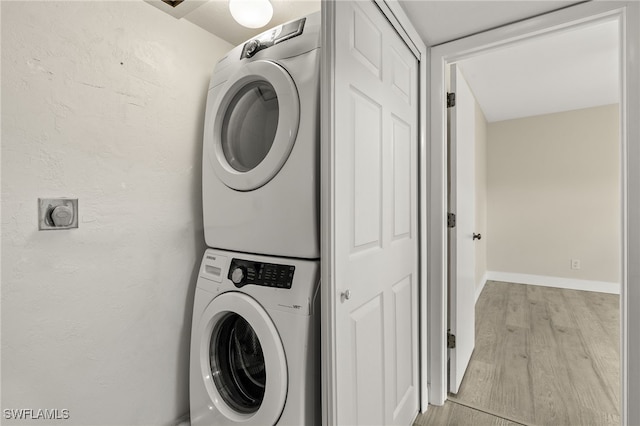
{"points": [[252, 48], [62, 216], [237, 276]]}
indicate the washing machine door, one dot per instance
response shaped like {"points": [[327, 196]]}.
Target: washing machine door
{"points": [[242, 361], [256, 120]]}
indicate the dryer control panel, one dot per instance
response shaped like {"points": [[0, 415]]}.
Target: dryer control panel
{"points": [[271, 37], [245, 272]]}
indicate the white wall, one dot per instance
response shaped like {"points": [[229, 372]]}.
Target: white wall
{"points": [[102, 101], [554, 195]]}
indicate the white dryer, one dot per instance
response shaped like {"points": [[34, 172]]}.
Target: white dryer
{"points": [[255, 341], [261, 145]]}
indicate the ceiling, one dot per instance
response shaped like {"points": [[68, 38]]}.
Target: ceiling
{"points": [[436, 21], [561, 72], [442, 21], [568, 71]]}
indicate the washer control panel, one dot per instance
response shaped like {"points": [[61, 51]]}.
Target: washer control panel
{"points": [[245, 272], [271, 37]]}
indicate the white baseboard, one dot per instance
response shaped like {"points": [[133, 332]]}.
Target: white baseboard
{"points": [[479, 288], [541, 280]]}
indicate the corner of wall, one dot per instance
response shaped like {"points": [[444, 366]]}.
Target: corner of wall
{"points": [[480, 286]]}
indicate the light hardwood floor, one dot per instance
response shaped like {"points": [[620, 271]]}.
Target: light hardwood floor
{"points": [[452, 413], [543, 356]]}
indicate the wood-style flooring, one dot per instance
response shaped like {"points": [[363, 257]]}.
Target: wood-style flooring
{"points": [[452, 413], [543, 356]]}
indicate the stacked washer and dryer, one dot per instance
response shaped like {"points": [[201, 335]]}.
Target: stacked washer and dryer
{"points": [[255, 333]]}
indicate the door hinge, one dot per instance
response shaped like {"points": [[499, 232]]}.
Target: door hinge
{"points": [[451, 341], [451, 100], [451, 220]]}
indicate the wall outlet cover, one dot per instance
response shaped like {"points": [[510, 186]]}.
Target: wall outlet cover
{"points": [[57, 213]]}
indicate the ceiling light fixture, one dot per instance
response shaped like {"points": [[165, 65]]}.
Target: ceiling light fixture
{"points": [[251, 13]]}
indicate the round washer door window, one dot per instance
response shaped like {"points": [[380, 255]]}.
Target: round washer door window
{"points": [[257, 115], [237, 364], [243, 363]]}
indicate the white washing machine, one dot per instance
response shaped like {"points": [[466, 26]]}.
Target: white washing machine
{"points": [[261, 145], [255, 341]]}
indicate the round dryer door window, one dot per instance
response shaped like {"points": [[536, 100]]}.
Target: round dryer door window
{"points": [[255, 126], [242, 360], [250, 125]]}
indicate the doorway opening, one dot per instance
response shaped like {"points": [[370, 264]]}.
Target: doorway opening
{"points": [[545, 183], [455, 52]]}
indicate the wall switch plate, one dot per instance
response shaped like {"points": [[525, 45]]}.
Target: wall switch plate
{"points": [[57, 213], [575, 263]]}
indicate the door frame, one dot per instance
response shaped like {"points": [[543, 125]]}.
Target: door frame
{"points": [[394, 13], [628, 14]]}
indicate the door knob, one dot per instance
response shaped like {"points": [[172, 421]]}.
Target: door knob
{"points": [[345, 295], [477, 236]]}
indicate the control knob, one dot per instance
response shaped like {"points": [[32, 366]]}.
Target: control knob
{"points": [[252, 48], [237, 275]]}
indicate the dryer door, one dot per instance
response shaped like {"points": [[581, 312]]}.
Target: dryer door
{"points": [[242, 360], [254, 127]]}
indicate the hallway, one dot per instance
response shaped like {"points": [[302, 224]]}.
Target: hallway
{"points": [[543, 356]]}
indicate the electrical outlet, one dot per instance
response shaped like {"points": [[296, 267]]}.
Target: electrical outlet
{"points": [[575, 263]]}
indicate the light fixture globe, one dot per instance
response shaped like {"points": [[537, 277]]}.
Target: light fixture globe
{"points": [[251, 13]]}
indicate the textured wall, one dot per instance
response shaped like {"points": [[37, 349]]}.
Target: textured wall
{"points": [[554, 195], [102, 101]]}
